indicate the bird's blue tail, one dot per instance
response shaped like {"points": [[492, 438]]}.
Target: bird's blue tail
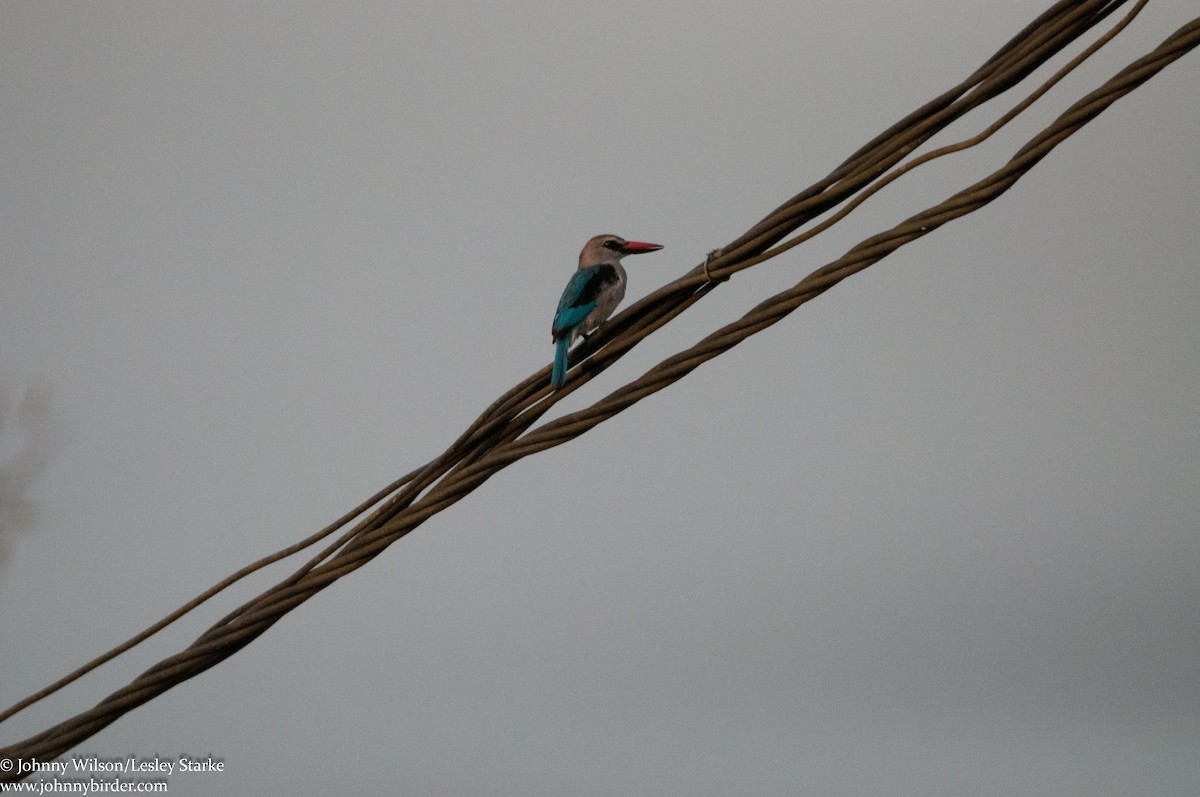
{"points": [[559, 375]]}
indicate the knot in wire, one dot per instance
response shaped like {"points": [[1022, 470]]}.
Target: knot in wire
{"points": [[707, 260]]}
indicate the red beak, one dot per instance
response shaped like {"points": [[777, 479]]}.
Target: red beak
{"points": [[637, 247]]}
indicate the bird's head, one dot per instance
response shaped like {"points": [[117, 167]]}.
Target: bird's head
{"points": [[611, 248]]}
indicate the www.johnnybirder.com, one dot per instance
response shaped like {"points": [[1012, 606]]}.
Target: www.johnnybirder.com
{"points": [[111, 785], [50, 777]]}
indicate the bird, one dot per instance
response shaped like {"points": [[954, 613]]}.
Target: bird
{"points": [[591, 295]]}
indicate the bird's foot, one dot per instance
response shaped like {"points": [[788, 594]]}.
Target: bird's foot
{"points": [[586, 337]]}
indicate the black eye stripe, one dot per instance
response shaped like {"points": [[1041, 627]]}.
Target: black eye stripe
{"points": [[612, 245]]}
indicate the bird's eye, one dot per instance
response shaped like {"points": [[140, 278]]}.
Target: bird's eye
{"points": [[612, 245]]}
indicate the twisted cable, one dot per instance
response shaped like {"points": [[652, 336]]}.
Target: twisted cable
{"points": [[506, 431]]}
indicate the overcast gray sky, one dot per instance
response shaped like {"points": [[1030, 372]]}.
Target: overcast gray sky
{"points": [[936, 533]]}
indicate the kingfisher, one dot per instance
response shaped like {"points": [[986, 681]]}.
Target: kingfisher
{"points": [[591, 295]]}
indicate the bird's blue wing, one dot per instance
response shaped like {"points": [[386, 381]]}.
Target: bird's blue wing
{"points": [[579, 297]]}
